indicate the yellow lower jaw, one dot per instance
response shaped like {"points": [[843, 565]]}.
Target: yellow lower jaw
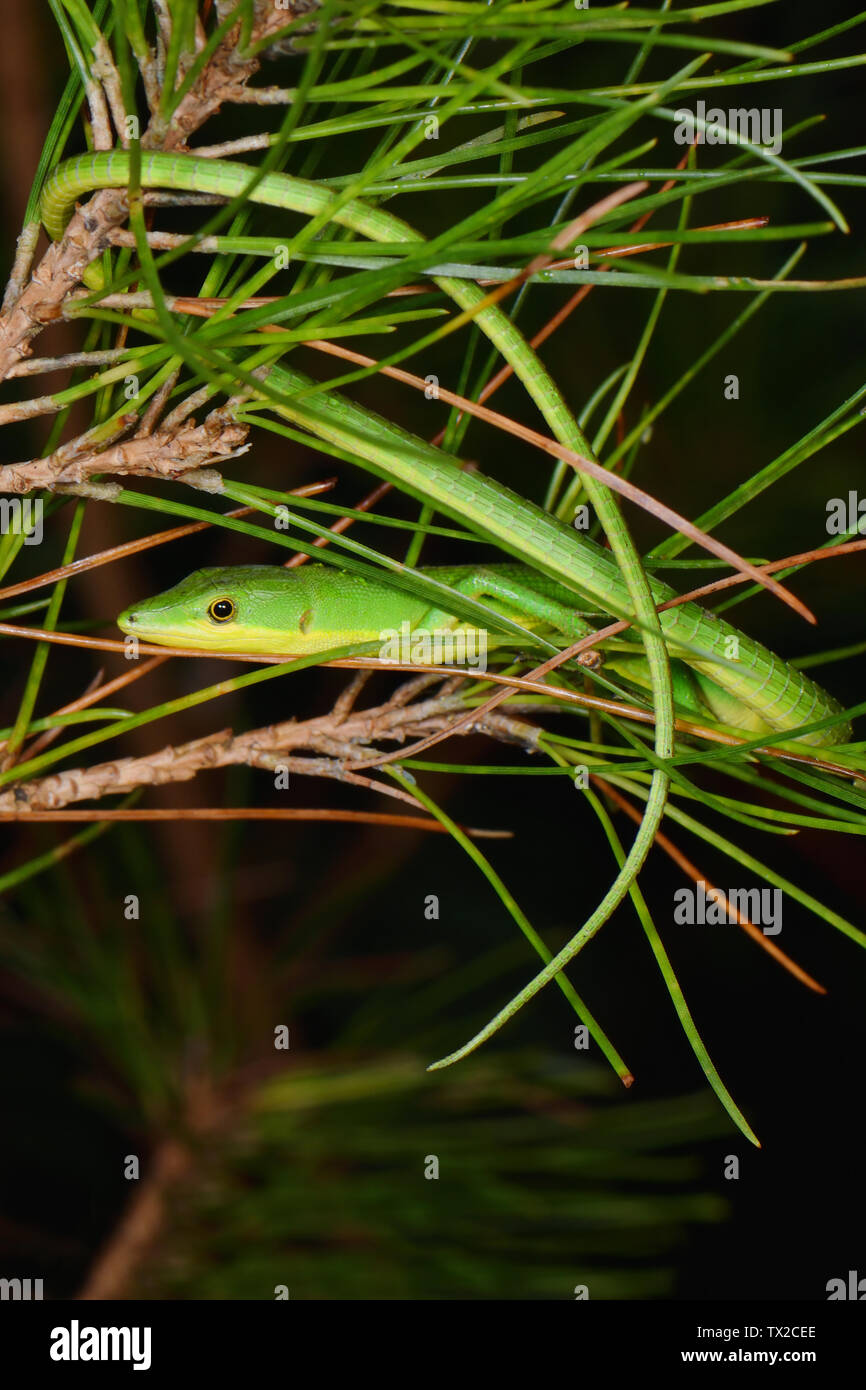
{"points": [[262, 641]]}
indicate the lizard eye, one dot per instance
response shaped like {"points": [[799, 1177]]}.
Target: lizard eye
{"points": [[222, 610]]}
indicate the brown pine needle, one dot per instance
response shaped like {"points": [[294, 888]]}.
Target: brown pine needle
{"points": [[253, 813], [342, 523], [119, 552], [559, 318], [581, 464], [48, 736], [92, 697], [510, 684], [805, 557], [697, 876], [555, 321], [207, 306]]}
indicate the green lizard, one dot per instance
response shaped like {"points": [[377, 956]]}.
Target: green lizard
{"points": [[271, 610], [712, 666], [740, 682]]}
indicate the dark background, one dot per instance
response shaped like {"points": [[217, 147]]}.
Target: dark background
{"points": [[791, 1059]]}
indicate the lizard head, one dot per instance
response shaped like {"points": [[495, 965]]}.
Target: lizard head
{"points": [[248, 608], [256, 608]]}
